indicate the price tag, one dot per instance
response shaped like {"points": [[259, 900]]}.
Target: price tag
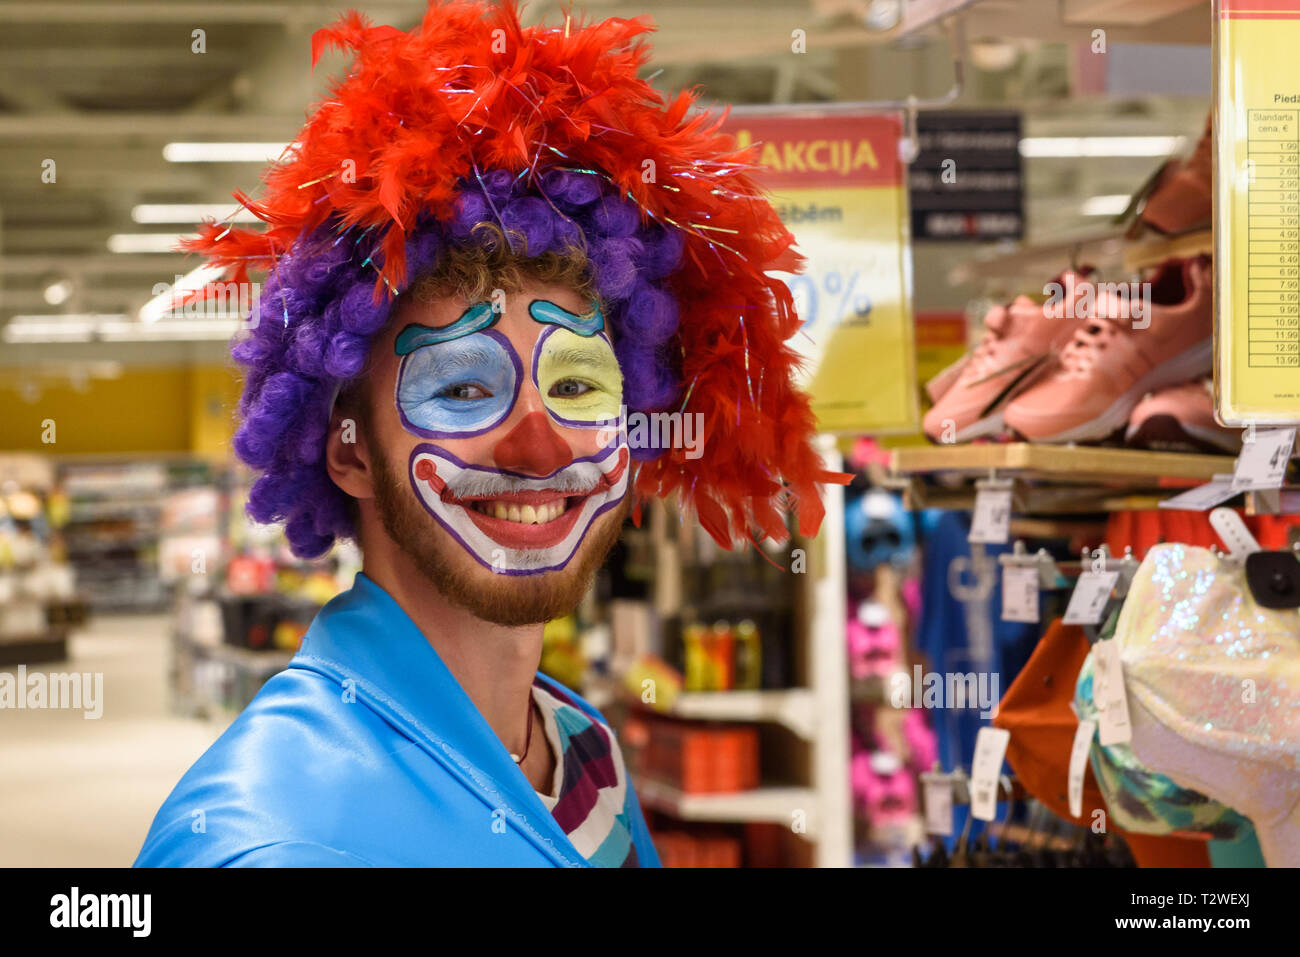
{"points": [[991, 523], [1262, 463], [990, 749], [1203, 497], [1019, 593], [1088, 600], [938, 807], [1109, 696], [1079, 764]]}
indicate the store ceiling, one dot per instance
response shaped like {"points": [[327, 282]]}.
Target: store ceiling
{"points": [[100, 89]]}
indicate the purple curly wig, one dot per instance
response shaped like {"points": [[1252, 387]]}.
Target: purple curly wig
{"points": [[318, 316]]}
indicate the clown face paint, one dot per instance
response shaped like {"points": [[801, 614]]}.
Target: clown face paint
{"points": [[518, 476]]}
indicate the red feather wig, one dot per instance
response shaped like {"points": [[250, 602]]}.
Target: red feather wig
{"points": [[470, 88]]}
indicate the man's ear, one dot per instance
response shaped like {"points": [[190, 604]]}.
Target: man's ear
{"points": [[347, 456]]}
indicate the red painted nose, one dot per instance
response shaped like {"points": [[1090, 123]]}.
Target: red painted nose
{"points": [[532, 447]]}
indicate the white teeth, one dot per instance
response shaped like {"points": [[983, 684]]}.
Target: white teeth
{"points": [[524, 514]]}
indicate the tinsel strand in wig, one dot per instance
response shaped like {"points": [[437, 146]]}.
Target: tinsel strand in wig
{"points": [[471, 117]]}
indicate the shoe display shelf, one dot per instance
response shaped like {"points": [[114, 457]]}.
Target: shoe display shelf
{"points": [[1051, 479], [1107, 251]]}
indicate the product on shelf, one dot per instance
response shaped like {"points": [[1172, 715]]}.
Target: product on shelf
{"points": [[1212, 671], [1117, 356], [748, 666], [680, 848], [884, 788], [723, 657], [1181, 418], [875, 643], [653, 682], [1179, 198], [38, 597], [701, 758], [1016, 349], [877, 530], [1036, 710], [1139, 798]]}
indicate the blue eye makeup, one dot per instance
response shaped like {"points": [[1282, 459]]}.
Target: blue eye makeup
{"points": [[458, 387], [474, 319]]}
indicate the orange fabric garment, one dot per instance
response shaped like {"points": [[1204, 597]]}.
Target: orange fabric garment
{"points": [[1140, 530]]}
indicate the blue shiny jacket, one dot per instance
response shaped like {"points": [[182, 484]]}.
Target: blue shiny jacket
{"points": [[365, 751]]}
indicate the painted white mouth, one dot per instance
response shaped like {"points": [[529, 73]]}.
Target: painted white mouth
{"points": [[578, 479]]}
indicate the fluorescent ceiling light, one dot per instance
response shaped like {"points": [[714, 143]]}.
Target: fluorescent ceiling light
{"points": [[117, 328], [67, 328], [1109, 205], [223, 152], [1037, 147], [149, 213], [173, 329], [165, 302], [145, 242]]}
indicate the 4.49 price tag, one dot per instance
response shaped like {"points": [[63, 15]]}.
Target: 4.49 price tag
{"points": [[1263, 461]]}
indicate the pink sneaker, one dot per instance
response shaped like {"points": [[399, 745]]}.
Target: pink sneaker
{"points": [[1109, 366], [1181, 419], [1018, 341]]}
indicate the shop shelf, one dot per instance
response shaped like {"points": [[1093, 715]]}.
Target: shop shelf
{"points": [[775, 804], [1061, 463], [1053, 479], [793, 708]]}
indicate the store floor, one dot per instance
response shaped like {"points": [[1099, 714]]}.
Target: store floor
{"points": [[82, 792]]}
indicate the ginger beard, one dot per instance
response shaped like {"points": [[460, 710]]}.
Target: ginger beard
{"points": [[501, 599], [518, 501]]}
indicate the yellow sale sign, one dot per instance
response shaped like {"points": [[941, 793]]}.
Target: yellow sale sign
{"points": [[839, 186]]}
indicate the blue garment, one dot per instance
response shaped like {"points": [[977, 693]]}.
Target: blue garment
{"points": [[943, 639], [365, 751]]}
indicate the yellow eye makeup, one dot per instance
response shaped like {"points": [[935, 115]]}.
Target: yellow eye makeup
{"points": [[578, 377]]}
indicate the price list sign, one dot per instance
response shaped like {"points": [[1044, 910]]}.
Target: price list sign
{"points": [[1273, 229], [1257, 212]]}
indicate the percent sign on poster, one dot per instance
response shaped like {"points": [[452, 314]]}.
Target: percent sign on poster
{"points": [[839, 187]]}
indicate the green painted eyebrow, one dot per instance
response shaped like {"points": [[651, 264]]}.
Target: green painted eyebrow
{"points": [[543, 310], [474, 319]]}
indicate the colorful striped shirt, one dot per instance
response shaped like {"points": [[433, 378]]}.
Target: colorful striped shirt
{"points": [[590, 797]]}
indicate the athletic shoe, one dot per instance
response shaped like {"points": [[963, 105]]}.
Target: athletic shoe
{"points": [[946, 379], [1016, 349], [1179, 198], [1109, 365], [1181, 419]]}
